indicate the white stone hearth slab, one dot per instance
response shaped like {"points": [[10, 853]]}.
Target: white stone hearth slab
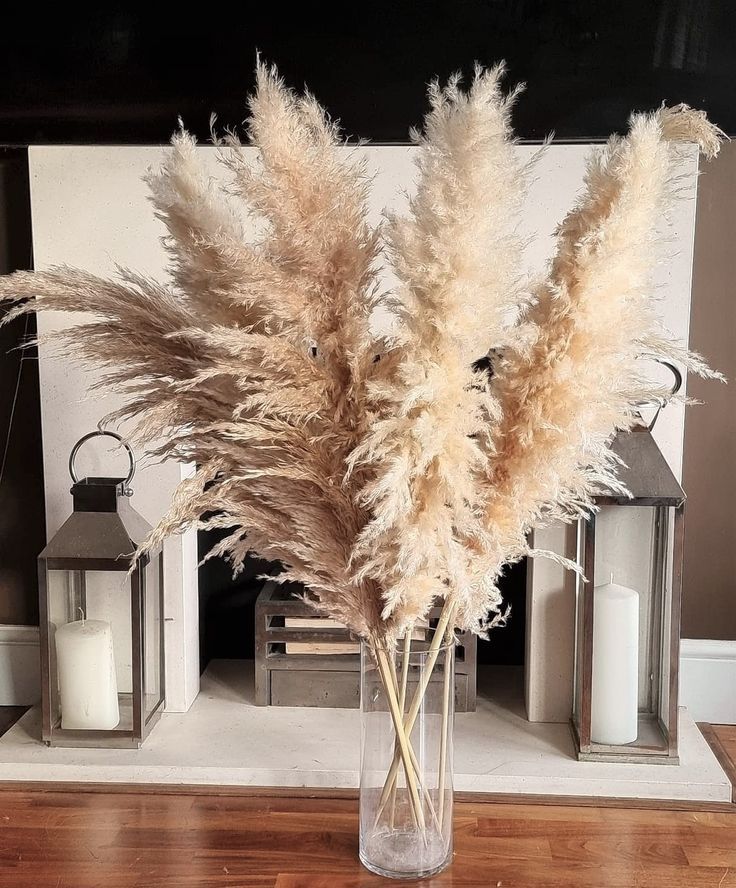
{"points": [[226, 740]]}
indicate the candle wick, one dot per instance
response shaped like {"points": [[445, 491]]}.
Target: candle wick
{"points": [[81, 611], [611, 576]]}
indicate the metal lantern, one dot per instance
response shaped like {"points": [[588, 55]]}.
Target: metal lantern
{"points": [[628, 612], [101, 616]]}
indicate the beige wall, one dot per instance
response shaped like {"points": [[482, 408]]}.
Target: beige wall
{"points": [[709, 470]]}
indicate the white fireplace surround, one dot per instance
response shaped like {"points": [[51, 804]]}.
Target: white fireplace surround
{"points": [[90, 210]]}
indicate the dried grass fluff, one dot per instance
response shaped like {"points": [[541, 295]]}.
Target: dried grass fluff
{"points": [[382, 484]]}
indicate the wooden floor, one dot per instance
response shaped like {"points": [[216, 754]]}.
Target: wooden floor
{"points": [[156, 840]]}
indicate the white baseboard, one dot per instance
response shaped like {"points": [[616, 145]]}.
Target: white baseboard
{"points": [[708, 680], [20, 683], [707, 674]]}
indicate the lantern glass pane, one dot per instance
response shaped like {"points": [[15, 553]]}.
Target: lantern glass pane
{"points": [[666, 666], [579, 635], [90, 662], [629, 628], [152, 616]]}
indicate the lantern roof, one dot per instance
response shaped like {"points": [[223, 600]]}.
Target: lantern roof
{"points": [[102, 533], [644, 472]]}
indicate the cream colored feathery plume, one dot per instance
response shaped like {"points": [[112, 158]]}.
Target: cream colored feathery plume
{"points": [[383, 477], [253, 362], [457, 257], [578, 369]]}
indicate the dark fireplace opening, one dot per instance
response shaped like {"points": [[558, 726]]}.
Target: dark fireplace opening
{"points": [[506, 644], [227, 610]]}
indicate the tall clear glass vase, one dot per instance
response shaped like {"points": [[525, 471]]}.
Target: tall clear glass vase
{"points": [[406, 798]]}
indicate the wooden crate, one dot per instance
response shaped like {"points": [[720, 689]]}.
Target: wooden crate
{"points": [[328, 680]]}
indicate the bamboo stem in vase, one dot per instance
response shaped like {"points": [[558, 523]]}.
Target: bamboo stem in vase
{"points": [[404, 754], [415, 763], [448, 611], [415, 766], [446, 691], [406, 653]]}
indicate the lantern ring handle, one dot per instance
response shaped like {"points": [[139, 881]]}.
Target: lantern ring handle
{"points": [[677, 384], [99, 433], [675, 388]]}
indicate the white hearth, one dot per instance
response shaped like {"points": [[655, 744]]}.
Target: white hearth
{"points": [[226, 740]]}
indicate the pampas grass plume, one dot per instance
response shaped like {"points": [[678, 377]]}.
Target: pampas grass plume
{"points": [[383, 475]]}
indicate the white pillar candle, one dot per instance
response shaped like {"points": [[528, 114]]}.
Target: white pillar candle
{"points": [[87, 681], [615, 692]]}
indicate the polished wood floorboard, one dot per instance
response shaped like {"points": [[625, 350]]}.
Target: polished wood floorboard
{"points": [[722, 740], [79, 840], [726, 736], [192, 840]]}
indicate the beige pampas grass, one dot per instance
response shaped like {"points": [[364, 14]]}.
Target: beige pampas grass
{"points": [[457, 257], [253, 362], [382, 475], [577, 371]]}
